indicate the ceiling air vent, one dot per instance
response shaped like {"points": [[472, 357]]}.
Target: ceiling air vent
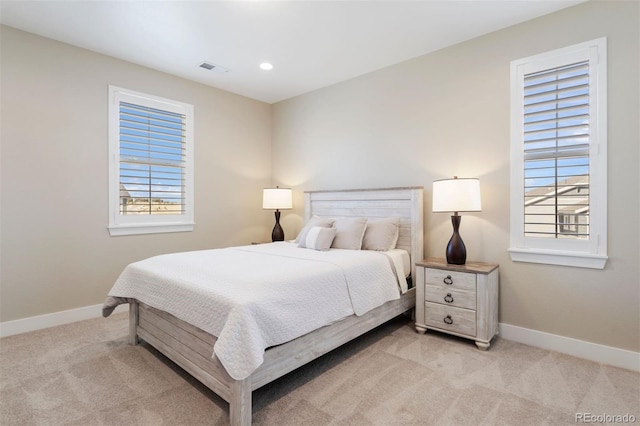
{"points": [[213, 67]]}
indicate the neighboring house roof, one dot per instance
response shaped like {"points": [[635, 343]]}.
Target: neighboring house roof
{"points": [[565, 187], [124, 192]]}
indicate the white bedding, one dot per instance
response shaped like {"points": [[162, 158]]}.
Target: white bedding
{"points": [[254, 297], [402, 262]]}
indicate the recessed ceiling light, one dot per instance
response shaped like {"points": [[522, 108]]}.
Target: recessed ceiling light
{"points": [[266, 66]]}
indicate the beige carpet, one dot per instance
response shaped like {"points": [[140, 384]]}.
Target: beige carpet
{"points": [[86, 374]]}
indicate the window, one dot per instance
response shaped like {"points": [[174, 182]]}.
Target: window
{"points": [[151, 164], [559, 157]]}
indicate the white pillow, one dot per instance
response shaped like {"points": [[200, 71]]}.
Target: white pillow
{"points": [[350, 231], [381, 234], [319, 238], [314, 221]]}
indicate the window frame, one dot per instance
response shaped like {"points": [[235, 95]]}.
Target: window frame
{"points": [[592, 252], [147, 224]]}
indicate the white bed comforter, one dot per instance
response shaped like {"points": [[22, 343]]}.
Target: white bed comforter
{"points": [[254, 297]]}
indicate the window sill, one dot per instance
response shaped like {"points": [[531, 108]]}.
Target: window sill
{"points": [[138, 229], [556, 257]]}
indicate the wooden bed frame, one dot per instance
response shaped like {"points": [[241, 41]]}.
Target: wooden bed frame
{"points": [[191, 348]]}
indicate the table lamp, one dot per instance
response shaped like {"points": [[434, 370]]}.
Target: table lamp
{"points": [[277, 198], [456, 195]]}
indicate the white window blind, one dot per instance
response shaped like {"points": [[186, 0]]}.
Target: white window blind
{"points": [[556, 152], [559, 156], [152, 160], [151, 164]]}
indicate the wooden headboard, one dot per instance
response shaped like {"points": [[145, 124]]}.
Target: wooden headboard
{"points": [[405, 203]]}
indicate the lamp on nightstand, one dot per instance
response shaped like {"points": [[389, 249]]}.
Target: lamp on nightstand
{"points": [[277, 198], [456, 195]]}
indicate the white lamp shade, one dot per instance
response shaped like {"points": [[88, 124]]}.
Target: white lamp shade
{"points": [[456, 195], [276, 198]]}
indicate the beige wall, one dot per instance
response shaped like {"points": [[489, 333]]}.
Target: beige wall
{"points": [[432, 117], [55, 248], [446, 114]]}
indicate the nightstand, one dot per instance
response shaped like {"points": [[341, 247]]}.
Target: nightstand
{"points": [[458, 299]]}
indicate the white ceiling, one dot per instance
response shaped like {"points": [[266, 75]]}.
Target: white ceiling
{"points": [[311, 44]]}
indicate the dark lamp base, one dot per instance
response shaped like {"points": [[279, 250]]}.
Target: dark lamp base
{"points": [[456, 251], [277, 234]]}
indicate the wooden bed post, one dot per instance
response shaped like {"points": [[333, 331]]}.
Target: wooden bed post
{"points": [[240, 404], [133, 323]]}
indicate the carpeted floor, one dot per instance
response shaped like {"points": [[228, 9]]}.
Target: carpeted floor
{"points": [[86, 374]]}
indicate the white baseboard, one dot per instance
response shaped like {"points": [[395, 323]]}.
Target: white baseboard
{"points": [[592, 351], [579, 348], [9, 328]]}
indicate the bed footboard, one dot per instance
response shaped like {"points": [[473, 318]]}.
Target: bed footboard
{"points": [[190, 348]]}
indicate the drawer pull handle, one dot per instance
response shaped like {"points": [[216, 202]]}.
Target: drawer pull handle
{"points": [[448, 298], [448, 320], [448, 280]]}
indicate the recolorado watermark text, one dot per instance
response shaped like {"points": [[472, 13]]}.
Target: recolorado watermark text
{"points": [[605, 418]]}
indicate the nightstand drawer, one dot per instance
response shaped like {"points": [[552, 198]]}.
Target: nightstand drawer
{"points": [[450, 296], [451, 279], [457, 320]]}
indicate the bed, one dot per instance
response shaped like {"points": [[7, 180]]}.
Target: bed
{"points": [[190, 346]]}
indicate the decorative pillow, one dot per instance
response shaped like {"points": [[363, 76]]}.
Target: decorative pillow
{"points": [[319, 238], [349, 233], [381, 234], [314, 221]]}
